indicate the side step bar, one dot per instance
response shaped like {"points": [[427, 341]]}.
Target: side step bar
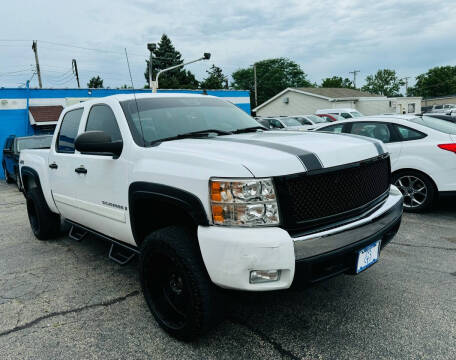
{"points": [[76, 233], [120, 252]]}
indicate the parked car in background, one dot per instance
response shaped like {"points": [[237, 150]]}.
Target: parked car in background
{"points": [[309, 119], [331, 117], [422, 150], [11, 150], [442, 117], [285, 123], [346, 113], [444, 109]]}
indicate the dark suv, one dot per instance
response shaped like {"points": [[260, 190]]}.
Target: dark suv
{"points": [[12, 149]]}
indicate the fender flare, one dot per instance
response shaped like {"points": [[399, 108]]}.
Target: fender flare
{"points": [[154, 192], [28, 171]]}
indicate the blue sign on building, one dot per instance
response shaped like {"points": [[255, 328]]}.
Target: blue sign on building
{"points": [[18, 106]]}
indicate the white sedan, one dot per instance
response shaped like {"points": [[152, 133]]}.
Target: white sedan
{"points": [[422, 150]]}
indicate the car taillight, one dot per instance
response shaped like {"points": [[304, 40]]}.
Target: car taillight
{"points": [[449, 147]]}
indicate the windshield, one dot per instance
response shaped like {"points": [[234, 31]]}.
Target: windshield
{"points": [[291, 122], [33, 143], [166, 117], [356, 114], [436, 124]]}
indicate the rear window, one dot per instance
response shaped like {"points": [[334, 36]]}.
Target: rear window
{"points": [[436, 124], [39, 142]]}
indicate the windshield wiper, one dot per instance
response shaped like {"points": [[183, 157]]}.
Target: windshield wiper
{"points": [[199, 133], [249, 129]]}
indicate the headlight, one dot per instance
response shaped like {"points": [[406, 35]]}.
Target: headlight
{"points": [[243, 202]]}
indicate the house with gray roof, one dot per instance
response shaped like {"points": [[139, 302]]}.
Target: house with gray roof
{"points": [[300, 101]]}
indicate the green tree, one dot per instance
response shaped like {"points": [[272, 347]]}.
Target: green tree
{"points": [[215, 80], [438, 81], [166, 56], [384, 82], [273, 76], [95, 82], [337, 82]]}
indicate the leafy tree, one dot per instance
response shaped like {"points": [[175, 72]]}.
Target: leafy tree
{"points": [[337, 82], [95, 82], [215, 80], [273, 76], [125, 86], [166, 56], [438, 81], [384, 82]]}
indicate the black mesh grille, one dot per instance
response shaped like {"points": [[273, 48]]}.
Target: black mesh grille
{"points": [[309, 197]]}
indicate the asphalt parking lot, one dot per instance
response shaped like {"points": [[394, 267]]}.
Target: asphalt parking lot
{"points": [[64, 299]]}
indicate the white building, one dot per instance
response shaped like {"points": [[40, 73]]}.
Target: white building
{"points": [[299, 101]]}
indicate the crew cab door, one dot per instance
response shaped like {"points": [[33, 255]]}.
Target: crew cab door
{"points": [[8, 155], [63, 159], [102, 185]]}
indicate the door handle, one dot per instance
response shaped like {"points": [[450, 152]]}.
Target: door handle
{"points": [[81, 170], [53, 165]]}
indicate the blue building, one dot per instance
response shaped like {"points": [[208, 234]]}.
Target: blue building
{"points": [[25, 111]]}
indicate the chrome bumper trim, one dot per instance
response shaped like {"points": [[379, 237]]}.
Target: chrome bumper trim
{"points": [[339, 237]]}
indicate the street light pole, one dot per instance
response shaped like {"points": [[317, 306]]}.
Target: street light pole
{"points": [[255, 84], [151, 47], [206, 56]]}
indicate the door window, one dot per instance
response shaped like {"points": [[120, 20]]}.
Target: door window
{"points": [[102, 118], [275, 124], [346, 115], [378, 131], [69, 131], [336, 129]]}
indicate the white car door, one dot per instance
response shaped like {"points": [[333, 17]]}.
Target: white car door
{"points": [[63, 160], [103, 187]]}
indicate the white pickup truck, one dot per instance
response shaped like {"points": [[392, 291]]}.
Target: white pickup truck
{"points": [[209, 199]]}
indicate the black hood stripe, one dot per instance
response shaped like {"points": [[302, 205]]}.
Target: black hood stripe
{"points": [[309, 160]]}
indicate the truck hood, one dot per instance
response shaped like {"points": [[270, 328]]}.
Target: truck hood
{"points": [[275, 153]]}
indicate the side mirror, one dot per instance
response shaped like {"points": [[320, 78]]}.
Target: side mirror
{"points": [[99, 143]]}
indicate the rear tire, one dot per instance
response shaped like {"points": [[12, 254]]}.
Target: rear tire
{"points": [[44, 223], [176, 286], [7, 177], [417, 188], [18, 181]]}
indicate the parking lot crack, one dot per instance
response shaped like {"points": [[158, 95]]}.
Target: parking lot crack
{"points": [[285, 354], [70, 311], [424, 246]]}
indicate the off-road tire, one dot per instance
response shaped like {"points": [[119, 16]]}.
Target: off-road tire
{"points": [[44, 223], [171, 256]]}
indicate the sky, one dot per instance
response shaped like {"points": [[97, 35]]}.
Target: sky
{"points": [[325, 38]]}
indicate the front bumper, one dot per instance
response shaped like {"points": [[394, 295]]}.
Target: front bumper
{"points": [[230, 253]]}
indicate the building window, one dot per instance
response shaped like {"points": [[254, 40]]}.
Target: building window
{"points": [[411, 108]]}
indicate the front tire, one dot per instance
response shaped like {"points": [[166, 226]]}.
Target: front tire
{"points": [[417, 188], [44, 223], [176, 285]]}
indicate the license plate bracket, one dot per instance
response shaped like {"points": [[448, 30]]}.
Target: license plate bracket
{"points": [[368, 256]]}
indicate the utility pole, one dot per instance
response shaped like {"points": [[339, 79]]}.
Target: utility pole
{"points": [[35, 50], [354, 72], [406, 83], [255, 84], [75, 70]]}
